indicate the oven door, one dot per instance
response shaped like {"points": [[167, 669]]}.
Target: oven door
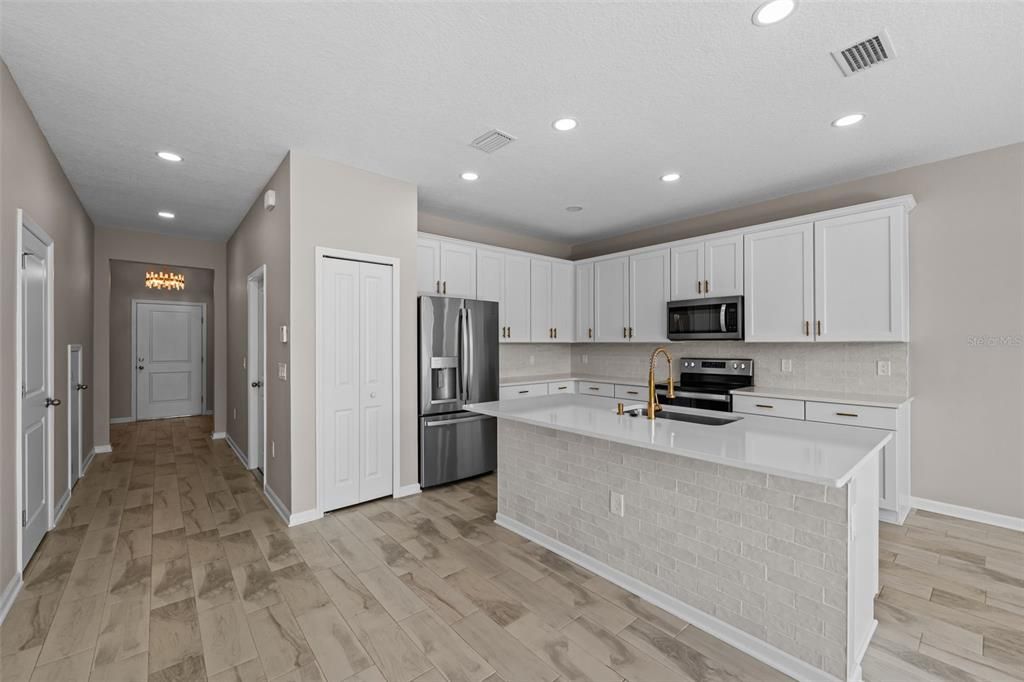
{"points": [[718, 402], [706, 318]]}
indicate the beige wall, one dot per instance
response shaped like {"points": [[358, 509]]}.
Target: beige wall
{"points": [[491, 234], [345, 208], [262, 238], [32, 179], [133, 245], [128, 283], [967, 281]]}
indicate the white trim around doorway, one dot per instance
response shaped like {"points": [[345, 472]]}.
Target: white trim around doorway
{"points": [[259, 274], [320, 253], [75, 395], [135, 354]]}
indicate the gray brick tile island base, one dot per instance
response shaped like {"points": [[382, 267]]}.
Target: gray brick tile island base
{"points": [[771, 557]]}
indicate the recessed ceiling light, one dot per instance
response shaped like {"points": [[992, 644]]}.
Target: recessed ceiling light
{"points": [[670, 177], [773, 11], [169, 156], [166, 215], [573, 209], [470, 175], [564, 124], [848, 120]]}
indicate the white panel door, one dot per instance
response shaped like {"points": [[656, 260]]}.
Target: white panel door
{"points": [[169, 362], [687, 271], [563, 301], [35, 387], [255, 376], [585, 302], [428, 266], [340, 382], [517, 298], [458, 270], [648, 296], [541, 327], [723, 266], [858, 273], [779, 284], [611, 299], [376, 446]]}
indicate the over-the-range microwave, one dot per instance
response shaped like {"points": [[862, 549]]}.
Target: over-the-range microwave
{"points": [[701, 319]]}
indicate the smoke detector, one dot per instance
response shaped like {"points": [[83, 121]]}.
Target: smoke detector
{"points": [[863, 55], [492, 141]]}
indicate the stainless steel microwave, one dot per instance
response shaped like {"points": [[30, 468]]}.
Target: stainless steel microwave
{"points": [[706, 318]]}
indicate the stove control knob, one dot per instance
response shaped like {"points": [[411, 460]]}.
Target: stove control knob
{"points": [[743, 365], [735, 365]]}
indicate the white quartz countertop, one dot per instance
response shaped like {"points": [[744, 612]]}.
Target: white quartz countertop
{"points": [[549, 378], [808, 451], [865, 399]]}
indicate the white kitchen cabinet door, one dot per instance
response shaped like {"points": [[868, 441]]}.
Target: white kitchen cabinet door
{"points": [[779, 284], [563, 301], [428, 266], [648, 296], [458, 270], [490, 276], [517, 298], [723, 266], [687, 271], [860, 276], [541, 328], [611, 299], [585, 302]]}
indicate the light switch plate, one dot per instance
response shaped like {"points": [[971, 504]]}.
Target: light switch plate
{"points": [[787, 366], [284, 333], [282, 371]]}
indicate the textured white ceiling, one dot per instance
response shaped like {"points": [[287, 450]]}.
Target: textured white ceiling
{"points": [[400, 89]]}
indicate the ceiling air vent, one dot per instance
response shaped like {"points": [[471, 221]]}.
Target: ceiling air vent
{"points": [[492, 141], [865, 54]]}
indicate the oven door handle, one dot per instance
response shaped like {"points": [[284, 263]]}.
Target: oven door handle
{"points": [[721, 318], [698, 396]]}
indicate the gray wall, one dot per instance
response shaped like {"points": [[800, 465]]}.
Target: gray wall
{"points": [[491, 234], [966, 282], [262, 238], [128, 282], [32, 179]]}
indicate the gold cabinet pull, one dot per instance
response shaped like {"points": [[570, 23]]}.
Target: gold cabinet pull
{"points": [[623, 332], [590, 332], [438, 286], [633, 392], [444, 287], [556, 332], [630, 332], [847, 414], [595, 388], [807, 328], [706, 287], [767, 407], [698, 286], [819, 327]]}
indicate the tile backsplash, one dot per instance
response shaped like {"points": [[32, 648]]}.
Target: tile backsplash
{"points": [[845, 367]]}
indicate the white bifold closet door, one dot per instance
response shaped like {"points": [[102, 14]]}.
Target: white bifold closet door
{"points": [[356, 390]]}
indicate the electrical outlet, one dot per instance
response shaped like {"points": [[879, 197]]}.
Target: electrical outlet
{"points": [[273, 454], [584, 358], [884, 368], [617, 505], [282, 371], [787, 366]]}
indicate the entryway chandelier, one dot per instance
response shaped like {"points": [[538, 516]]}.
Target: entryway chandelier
{"points": [[165, 280]]}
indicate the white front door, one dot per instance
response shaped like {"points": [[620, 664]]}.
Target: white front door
{"points": [[35, 393], [75, 388], [356, 391], [256, 364], [169, 359]]}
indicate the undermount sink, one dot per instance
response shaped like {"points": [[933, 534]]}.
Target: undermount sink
{"points": [[686, 417]]}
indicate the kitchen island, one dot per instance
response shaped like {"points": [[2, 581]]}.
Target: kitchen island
{"points": [[761, 531]]}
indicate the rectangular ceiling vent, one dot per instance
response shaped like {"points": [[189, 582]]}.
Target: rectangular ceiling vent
{"points": [[865, 54], [492, 141]]}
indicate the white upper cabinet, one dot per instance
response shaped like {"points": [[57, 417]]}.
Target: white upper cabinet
{"points": [[723, 266], [648, 296], [860, 283], [585, 302], [779, 284], [687, 271], [428, 266], [541, 328], [458, 270], [516, 299], [490, 277], [611, 299], [563, 301]]}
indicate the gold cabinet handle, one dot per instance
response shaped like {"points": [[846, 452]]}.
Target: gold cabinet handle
{"points": [[590, 332], [623, 332], [698, 286], [594, 388], [444, 287], [807, 328], [847, 414], [438, 285], [707, 288], [633, 392], [819, 327], [630, 332], [767, 407], [556, 332], [521, 392]]}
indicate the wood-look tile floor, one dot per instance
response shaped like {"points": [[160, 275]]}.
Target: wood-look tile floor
{"points": [[170, 565]]}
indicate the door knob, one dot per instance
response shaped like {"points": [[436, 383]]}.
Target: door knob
{"points": [[82, 387], [372, 394], [141, 367], [256, 384], [52, 402]]}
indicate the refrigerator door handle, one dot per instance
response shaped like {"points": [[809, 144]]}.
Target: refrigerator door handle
{"points": [[463, 350], [471, 364]]}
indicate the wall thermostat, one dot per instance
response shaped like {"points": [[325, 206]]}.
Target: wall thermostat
{"points": [[269, 199]]}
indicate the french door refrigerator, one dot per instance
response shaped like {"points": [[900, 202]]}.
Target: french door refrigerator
{"points": [[458, 362]]}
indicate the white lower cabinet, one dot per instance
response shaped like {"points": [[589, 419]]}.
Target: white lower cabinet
{"points": [[522, 391], [596, 388], [769, 407], [631, 393], [556, 387]]}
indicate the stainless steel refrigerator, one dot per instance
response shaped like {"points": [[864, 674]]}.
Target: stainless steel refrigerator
{"points": [[458, 365]]}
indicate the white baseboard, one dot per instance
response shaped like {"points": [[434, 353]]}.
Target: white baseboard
{"points": [[304, 517], [101, 449], [121, 420], [238, 451], [10, 593], [62, 506], [88, 460], [968, 513], [759, 649], [289, 518], [406, 490], [218, 435]]}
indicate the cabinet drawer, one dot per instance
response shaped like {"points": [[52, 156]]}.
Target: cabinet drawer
{"points": [[854, 415], [597, 388], [522, 391], [556, 387], [772, 407], [630, 392]]}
